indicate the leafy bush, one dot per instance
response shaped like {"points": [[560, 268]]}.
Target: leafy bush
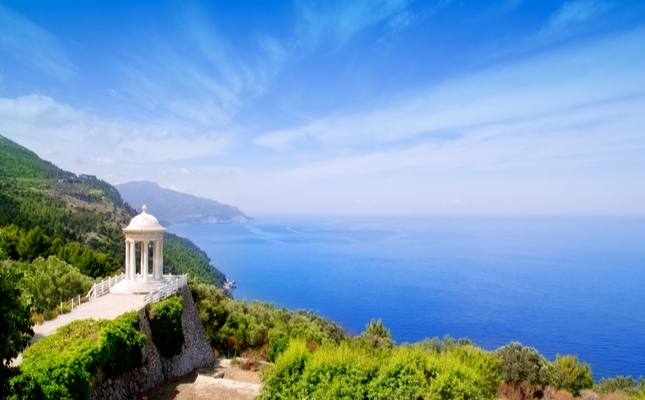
{"points": [[447, 345], [235, 326], [277, 348], [486, 364], [455, 380], [378, 334], [568, 373], [519, 363], [622, 384], [403, 375], [15, 329], [282, 381], [338, 372], [121, 342], [60, 366], [48, 282], [165, 323], [352, 370]]}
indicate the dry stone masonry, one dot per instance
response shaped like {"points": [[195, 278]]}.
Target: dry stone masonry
{"points": [[196, 353]]}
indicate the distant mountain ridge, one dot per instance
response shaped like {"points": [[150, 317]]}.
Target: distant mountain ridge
{"points": [[172, 207]]}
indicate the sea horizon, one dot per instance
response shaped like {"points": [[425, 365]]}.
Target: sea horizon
{"points": [[561, 284]]}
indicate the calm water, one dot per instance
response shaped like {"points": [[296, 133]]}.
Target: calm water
{"points": [[559, 284]]}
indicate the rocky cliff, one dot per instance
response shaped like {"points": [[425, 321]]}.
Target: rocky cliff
{"points": [[196, 353]]}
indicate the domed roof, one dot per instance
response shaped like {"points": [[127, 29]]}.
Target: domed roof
{"points": [[144, 222]]}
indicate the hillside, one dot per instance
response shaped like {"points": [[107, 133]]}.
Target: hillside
{"points": [[45, 211], [173, 207]]}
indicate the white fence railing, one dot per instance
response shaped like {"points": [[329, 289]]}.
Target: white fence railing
{"points": [[174, 283], [101, 288]]}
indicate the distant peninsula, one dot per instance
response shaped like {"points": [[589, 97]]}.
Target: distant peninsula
{"points": [[173, 207]]}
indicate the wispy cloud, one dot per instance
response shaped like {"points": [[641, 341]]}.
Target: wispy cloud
{"points": [[33, 46], [340, 21], [576, 11], [58, 131], [199, 80], [601, 72], [203, 80]]}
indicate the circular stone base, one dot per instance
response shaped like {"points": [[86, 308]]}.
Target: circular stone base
{"points": [[138, 286]]}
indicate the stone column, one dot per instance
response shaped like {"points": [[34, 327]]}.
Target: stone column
{"points": [[155, 259], [144, 260], [160, 255], [127, 259], [133, 260]]}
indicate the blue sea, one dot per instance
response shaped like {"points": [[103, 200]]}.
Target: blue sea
{"points": [[568, 285]]}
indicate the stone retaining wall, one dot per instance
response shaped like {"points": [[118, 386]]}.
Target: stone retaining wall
{"points": [[196, 353]]}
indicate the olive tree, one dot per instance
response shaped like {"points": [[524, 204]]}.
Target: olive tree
{"points": [[522, 364]]}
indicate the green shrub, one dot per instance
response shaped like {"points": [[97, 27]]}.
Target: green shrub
{"points": [[519, 363], [622, 384], [48, 282], [61, 365], [282, 381], [377, 334], [451, 379], [121, 343], [404, 375], [486, 365], [448, 344], [235, 326], [353, 370], [277, 348], [338, 372], [15, 322], [568, 373], [165, 323]]}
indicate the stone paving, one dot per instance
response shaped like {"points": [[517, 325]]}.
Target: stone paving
{"points": [[108, 306]]}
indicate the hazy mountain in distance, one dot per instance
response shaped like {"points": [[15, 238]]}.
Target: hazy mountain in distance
{"points": [[171, 207]]}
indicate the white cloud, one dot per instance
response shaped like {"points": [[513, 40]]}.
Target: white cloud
{"points": [[572, 139], [33, 46], [71, 136], [103, 161]]}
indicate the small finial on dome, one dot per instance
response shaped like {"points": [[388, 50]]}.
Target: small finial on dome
{"points": [[144, 209]]}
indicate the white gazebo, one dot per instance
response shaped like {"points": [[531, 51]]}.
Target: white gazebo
{"points": [[145, 230]]}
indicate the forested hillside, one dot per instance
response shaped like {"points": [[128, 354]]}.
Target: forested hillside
{"points": [[45, 211]]}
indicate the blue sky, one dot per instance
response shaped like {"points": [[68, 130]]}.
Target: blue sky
{"points": [[339, 107]]}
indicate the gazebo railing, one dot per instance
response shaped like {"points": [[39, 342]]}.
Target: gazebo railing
{"points": [[102, 288], [175, 282]]}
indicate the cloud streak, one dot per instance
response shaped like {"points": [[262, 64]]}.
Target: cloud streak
{"points": [[602, 72], [33, 46], [338, 22], [577, 11], [56, 130]]}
